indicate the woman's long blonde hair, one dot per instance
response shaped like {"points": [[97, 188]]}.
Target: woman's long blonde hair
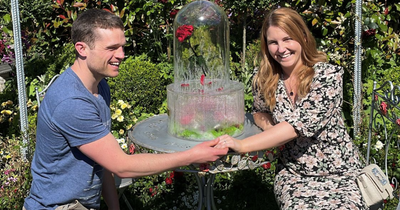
{"points": [[266, 80]]}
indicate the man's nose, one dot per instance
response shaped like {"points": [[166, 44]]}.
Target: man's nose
{"points": [[120, 53]]}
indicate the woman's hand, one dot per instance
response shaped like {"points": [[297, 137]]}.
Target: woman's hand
{"points": [[230, 142]]}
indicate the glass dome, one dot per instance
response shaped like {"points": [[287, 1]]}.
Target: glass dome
{"points": [[201, 46], [203, 103]]}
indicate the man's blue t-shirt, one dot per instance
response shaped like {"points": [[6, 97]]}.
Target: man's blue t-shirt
{"points": [[69, 116]]}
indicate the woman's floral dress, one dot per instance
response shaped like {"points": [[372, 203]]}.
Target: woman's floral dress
{"points": [[317, 169]]}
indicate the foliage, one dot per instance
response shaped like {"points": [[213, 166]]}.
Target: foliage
{"points": [[45, 31], [15, 175], [141, 84]]}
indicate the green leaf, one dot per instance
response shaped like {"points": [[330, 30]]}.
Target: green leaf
{"points": [[7, 18]]}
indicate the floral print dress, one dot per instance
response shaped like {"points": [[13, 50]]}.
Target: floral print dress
{"points": [[317, 169]]}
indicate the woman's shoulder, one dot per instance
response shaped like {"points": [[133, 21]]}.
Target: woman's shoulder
{"points": [[327, 68]]}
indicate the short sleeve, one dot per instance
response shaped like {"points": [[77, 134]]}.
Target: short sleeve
{"points": [[322, 102], [79, 121]]}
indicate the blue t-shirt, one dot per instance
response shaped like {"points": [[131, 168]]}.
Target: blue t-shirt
{"points": [[69, 116]]}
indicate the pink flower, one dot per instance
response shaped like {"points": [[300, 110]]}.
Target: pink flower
{"points": [[183, 32], [202, 79], [398, 121], [132, 149], [383, 108]]}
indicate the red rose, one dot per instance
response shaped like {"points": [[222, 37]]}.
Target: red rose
{"points": [[369, 32], [383, 108], [168, 180], [204, 167], [173, 13], [376, 97], [266, 166], [183, 32], [398, 121], [386, 11], [202, 79], [254, 158]]}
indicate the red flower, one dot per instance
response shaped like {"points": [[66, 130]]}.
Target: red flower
{"points": [[383, 108], [168, 180], [376, 97], [369, 32], [178, 174], [282, 147], [187, 119], [163, 1], [266, 166], [61, 16], [254, 158], [131, 149], [204, 167], [398, 121], [202, 79], [386, 11], [183, 32], [173, 13]]}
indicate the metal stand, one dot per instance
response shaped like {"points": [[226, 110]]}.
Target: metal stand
{"points": [[152, 134]]}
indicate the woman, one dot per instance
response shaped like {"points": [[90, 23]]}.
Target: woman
{"points": [[297, 102]]}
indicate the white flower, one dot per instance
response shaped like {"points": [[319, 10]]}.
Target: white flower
{"points": [[120, 102], [379, 145], [2, 84], [124, 146], [121, 141], [123, 106], [118, 112], [120, 118]]}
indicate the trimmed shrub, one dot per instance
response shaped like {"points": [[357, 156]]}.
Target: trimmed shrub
{"points": [[140, 83]]}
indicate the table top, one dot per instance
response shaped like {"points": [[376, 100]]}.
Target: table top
{"points": [[152, 133]]}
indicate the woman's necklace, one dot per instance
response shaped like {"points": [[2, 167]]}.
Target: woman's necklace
{"points": [[290, 86]]}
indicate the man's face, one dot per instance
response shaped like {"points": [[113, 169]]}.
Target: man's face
{"points": [[104, 58]]}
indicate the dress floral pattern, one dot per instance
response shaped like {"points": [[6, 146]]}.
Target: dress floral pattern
{"points": [[317, 169]]}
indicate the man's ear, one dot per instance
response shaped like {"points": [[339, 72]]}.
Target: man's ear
{"points": [[80, 47]]}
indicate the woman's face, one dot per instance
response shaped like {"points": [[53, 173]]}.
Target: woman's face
{"points": [[284, 50]]}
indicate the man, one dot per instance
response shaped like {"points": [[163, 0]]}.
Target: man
{"points": [[76, 154]]}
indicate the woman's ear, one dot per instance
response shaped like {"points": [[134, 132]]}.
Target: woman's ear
{"points": [[80, 47]]}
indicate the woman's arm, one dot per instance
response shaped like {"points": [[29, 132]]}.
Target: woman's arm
{"points": [[276, 135], [263, 120]]}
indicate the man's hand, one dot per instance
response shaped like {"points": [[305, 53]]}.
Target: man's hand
{"points": [[207, 152], [227, 141]]}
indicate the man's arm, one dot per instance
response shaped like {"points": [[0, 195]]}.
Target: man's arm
{"points": [[107, 152], [109, 191]]}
